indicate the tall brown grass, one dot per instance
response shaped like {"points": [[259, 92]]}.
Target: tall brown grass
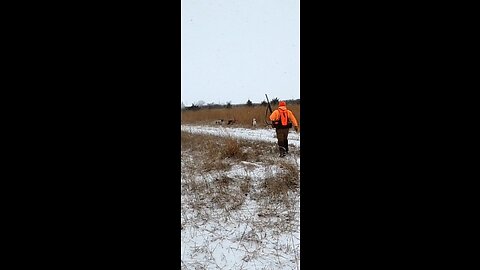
{"points": [[242, 114], [216, 155], [211, 194]]}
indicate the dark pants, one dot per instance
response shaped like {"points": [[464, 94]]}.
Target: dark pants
{"points": [[282, 138]]}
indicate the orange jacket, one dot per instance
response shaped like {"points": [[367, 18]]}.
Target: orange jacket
{"points": [[282, 113]]}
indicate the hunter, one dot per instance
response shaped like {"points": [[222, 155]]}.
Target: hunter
{"points": [[282, 120]]}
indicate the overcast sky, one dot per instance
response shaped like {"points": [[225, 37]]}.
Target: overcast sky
{"points": [[236, 50]]}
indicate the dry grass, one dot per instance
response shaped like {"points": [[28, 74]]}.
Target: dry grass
{"points": [[213, 199], [215, 155], [231, 149], [242, 114], [246, 185]]}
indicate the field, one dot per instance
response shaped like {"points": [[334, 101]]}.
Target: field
{"points": [[242, 114], [240, 201]]}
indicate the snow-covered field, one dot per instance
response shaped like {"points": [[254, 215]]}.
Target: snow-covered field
{"points": [[260, 134], [229, 220]]}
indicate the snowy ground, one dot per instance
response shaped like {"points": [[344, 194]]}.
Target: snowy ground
{"points": [[241, 228], [261, 134]]}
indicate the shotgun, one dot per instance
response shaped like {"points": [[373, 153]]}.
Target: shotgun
{"points": [[269, 108], [268, 104]]}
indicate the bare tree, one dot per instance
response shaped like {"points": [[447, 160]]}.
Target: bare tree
{"points": [[274, 101]]}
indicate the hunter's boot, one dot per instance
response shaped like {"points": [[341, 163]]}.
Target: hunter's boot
{"points": [[286, 147], [282, 150]]}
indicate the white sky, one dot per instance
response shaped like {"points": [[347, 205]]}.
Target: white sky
{"points": [[236, 50]]}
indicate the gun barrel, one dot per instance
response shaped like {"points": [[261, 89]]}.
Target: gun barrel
{"points": [[268, 104]]}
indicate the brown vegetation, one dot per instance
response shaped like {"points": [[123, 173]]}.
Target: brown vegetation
{"points": [[212, 195], [216, 155], [243, 115]]}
